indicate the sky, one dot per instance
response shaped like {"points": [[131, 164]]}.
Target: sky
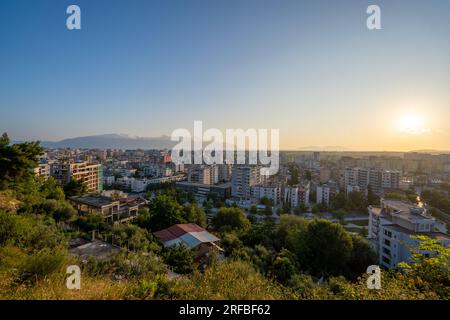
{"points": [[311, 69]]}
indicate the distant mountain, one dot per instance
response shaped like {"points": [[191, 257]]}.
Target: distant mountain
{"points": [[327, 148], [116, 141], [433, 151], [112, 141]]}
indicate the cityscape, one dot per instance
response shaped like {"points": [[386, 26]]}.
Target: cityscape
{"points": [[322, 171]]}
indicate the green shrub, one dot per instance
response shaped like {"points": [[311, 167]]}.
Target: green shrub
{"points": [[40, 265]]}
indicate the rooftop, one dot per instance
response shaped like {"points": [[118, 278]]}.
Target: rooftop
{"points": [[405, 209], [190, 234], [433, 235], [97, 248], [94, 201], [201, 185]]}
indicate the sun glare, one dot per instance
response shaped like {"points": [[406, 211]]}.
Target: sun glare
{"points": [[412, 124]]}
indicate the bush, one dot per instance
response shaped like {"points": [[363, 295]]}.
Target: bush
{"points": [[29, 231], [236, 280], [126, 265], [143, 289], [57, 209], [133, 238], [40, 264], [180, 258]]}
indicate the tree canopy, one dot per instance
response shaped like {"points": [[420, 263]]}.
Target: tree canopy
{"points": [[17, 161], [230, 219]]}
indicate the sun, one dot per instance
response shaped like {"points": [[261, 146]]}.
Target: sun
{"points": [[412, 124]]}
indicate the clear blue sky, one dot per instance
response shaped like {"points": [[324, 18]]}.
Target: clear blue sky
{"points": [[310, 68]]}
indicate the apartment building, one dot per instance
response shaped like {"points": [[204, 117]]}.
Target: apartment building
{"points": [[378, 179], [113, 211], [224, 172], [42, 170], [222, 191], [203, 174], [392, 228], [273, 193], [323, 194], [297, 195], [157, 170], [91, 174], [243, 178]]}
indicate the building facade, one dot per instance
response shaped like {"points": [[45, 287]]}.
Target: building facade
{"points": [[378, 179], [91, 174], [392, 228], [243, 178]]}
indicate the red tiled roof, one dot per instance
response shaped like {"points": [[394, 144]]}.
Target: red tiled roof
{"points": [[176, 231], [190, 227]]}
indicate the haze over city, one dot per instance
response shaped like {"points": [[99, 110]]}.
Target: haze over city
{"points": [[147, 68]]}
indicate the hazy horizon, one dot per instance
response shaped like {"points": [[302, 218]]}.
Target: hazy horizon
{"points": [[299, 149]]}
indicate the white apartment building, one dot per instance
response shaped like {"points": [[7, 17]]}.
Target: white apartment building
{"points": [[291, 196], [243, 178], [390, 179], [271, 192], [109, 180], [323, 194], [158, 170], [351, 188], [297, 195], [392, 227]]}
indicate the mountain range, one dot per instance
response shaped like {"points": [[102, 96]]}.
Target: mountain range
{"points": [[111, 141]]}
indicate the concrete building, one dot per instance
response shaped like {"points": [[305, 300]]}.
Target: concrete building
{"points": [[109, 180], [113, 211], [98, 249], [323, 194], [351, 188], [91, 174], [139, 185], [243, 178], [392, 227], [297, 195], [325, 175], [222, 191], [224, 172], [273, 193], [378, 179], [42, 170], [203, 174]]}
